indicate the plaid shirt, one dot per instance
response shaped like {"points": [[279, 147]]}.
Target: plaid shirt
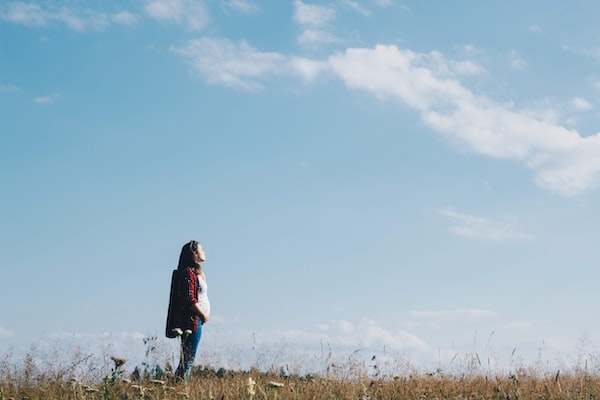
{"points": [[186, 296]]}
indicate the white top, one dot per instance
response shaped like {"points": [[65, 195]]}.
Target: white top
{"points": [[203, 296]]}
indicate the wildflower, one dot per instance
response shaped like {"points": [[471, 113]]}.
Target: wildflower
{"points": [[275, 386], [250, 388], [177, 331], [118, 361]]}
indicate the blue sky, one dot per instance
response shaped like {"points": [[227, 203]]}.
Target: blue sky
{"points": [[419, 177]]}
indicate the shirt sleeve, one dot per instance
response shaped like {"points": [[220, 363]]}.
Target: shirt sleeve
{"points": [[191, 287]]}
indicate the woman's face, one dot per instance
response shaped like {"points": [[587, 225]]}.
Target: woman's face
{"points": [[199, 255]]}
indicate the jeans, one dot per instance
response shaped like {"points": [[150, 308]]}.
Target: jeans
{"points": [[189, 345]]}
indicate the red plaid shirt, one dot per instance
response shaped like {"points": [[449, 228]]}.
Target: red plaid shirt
{"points": [[188, 287]]}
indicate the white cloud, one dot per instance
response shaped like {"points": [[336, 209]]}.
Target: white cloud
{"points": [[99, 335], [535, 28], [364, 334], [314, 21], [307, 68], [9, 88], [125, 18], [312, 15], [6, 333], [593, 53], [220, 61], [77, 19], [356, 7], [317, 37], [191, 12], [383, 3], [483, 228], [46, 99], [581, 104], [242, 6], [562, 160], [448, 68], [471, 313], [25, 14], [515, 60]]}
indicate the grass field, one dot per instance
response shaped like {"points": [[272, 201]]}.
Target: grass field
{"points": [[76, 374]]}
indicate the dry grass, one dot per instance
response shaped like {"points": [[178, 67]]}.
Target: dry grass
{"points": [[76, 374]]}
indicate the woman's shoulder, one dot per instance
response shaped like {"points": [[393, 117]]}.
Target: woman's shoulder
{"points": [[189, 272]]}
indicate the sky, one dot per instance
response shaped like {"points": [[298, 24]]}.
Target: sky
{"points": [[416, 180]]}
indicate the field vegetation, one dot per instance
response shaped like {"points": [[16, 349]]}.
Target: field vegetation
{"points": [[77, 374]]}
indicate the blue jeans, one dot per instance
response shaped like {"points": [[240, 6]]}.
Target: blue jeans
{"points": [[189, 346]]}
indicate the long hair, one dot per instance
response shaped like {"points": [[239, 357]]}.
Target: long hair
{"points": [[186, 258]]}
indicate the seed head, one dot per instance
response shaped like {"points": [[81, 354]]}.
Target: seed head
{"points": [[118, 361], [177, 331]]}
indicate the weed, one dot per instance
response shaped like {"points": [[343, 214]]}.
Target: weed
{"points": [[74, 376]]}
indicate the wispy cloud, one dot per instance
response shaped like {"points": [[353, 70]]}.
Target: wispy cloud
{"points": [[25, 13], [240, 66], [311, 37], [562, 159], [6, 333], [515, 61], [365, 333], [125, 18], [307, 68], [47, 99], [99, 335], [581, 104], [47, 14], [483, 228], [314, 21], [589, 52], [192, 13], [383, 3], [474, 313], [221, 61], [354, 5], [312, 15], [241, 6], [9, 88]]}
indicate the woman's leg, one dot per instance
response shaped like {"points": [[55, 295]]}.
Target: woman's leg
{"points": [[189, 346]]}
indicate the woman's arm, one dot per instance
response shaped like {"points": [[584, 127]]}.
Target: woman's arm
{"points": [[197, 310], [192, 287]]}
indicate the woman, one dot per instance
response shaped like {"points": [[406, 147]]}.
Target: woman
{"points": [[189, 307]]}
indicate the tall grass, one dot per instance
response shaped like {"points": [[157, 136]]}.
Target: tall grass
{"points": [[74, 373]]}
